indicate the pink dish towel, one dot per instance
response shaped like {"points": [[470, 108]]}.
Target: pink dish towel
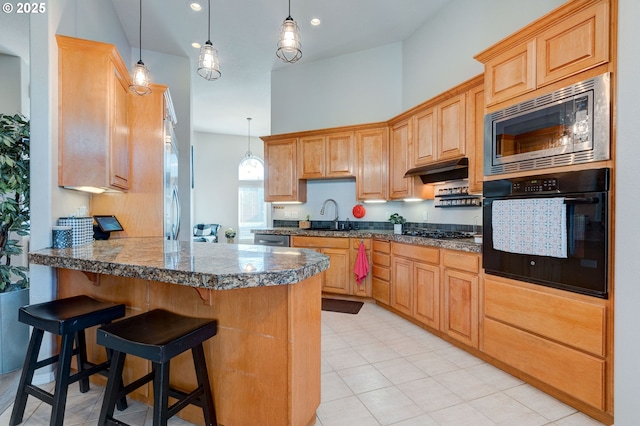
{"points": [[361, 268]]}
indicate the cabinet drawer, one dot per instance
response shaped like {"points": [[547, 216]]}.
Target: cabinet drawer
{"points": [[571, 371], [381, 273], [381, 259], [382, 246], [380, 290], [355, 243], [420, 253], [572, 322], [319, 242], [462, 261]]}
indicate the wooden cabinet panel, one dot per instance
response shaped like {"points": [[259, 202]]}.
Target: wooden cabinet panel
{"points": [[572, 322], [339, 155], [469, 262], [573, 45], [336, 278], [319, 242], [426, 294], [576, 373], [364, 288], [424, 137], [311, 159], [281, 178], [400, 150], [381, 273], [420, 253], [511, 73], [460, 311], [451, 128], [380, 290], [475, 138], [372, 150], [93, 149], [402, 285]]}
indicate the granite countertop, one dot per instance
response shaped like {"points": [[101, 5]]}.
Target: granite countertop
{"points": [[195, 264], [461, 244]]}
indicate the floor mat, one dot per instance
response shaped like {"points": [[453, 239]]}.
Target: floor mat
{"points": [[343, 306]]}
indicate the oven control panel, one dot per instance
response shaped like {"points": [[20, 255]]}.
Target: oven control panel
{"points": [[532, 186]]}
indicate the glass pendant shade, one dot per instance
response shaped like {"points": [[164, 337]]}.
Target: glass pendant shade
{"points": [[289, 45], [140, 79], [208, 65]]}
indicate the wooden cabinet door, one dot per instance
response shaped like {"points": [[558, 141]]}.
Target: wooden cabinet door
{"points": [[372, 155], [451, 128], [574, 44], [400, 149], [339, 155], [364, 288], [281, 180], [380, 272], [425, 130], [311, 157], [426, 294], [336, 278], [119, 149], [475, 138], [460, 313], [511, 73], [402, 285]]}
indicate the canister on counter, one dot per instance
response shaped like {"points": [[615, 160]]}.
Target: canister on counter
{"points": [[61, 236]]}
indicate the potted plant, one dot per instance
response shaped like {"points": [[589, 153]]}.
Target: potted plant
{"points": [[397, 221], [305, 224], [14, 221]]}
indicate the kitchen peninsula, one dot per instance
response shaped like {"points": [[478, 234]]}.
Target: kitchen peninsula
{"points": [[264, 363]]}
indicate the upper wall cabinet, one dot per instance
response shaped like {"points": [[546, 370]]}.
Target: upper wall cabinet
{"points": [[281, 174], [326, 156], [93, 116], [567, 41], [372, 152]]}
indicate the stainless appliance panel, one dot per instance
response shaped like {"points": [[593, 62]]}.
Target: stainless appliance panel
{"points": [[271, 240]]}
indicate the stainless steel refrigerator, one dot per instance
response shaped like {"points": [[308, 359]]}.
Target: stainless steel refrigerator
{"points": [[171, 197]]}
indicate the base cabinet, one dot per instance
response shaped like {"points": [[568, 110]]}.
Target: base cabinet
{"points": [[381, 271], [363, 289]]}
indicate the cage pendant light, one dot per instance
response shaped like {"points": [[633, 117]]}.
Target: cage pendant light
{"points": [[289, 44], [140, 74], [208, 64]]}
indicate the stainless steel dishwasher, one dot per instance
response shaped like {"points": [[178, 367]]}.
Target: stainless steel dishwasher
{"points": [[271, 240]]}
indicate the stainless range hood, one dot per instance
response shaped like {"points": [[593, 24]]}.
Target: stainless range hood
{"points": [[442, 171]]}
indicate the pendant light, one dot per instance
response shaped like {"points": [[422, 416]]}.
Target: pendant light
{"points": [[208, 65], [289, 43], [251, 167], [249, 154], [140, 75]]}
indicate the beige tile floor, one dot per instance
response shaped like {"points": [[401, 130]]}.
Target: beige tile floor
{"points": [[378, 369]]}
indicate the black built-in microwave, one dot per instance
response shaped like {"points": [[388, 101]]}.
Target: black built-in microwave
{"points": [[568, 126]]}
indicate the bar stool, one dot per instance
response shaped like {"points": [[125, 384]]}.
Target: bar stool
{"points": [[67, 318], [158, 336]]}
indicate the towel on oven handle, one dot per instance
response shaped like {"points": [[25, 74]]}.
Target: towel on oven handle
{"points": [[536, 226]]}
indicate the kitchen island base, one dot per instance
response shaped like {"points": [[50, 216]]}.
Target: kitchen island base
{"points": [[264, 363]]}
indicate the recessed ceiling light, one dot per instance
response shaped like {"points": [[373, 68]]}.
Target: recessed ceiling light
{"points": [[195, 6], [315, 22], [196, 45]]}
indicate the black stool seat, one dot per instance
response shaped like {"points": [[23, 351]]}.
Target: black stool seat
{"points": [[67, 318], [158, 336]]}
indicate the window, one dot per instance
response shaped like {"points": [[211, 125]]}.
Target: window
{"points": [[252, 212]]}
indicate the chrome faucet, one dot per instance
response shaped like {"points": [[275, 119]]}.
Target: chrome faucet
{"points": [[335, 219]]}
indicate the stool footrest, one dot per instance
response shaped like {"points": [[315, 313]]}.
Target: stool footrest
{"points": [[184, 399], [39, 393]]}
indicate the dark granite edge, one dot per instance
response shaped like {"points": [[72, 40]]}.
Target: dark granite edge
{"points": [[465, 244], [186, 278]]}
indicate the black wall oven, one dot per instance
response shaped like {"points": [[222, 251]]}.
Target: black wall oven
{"points": [[550, 229]]}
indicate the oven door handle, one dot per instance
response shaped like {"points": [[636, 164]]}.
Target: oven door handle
{"points": [[588, 200]]}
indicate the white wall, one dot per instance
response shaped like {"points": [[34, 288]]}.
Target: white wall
{"points": [[11, 84], [627, 205], [439, 55], [216, 161], [361, 87]]}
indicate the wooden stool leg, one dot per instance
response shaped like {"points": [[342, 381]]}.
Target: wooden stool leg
{"points": [[114, 384], [206, 399], [26, 377], [161, 394], [62, 380], [81, 345]]}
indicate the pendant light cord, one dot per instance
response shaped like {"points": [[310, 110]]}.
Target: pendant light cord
{"points": [[289, 9], [140, 29], [209, 24], [249, 153]]}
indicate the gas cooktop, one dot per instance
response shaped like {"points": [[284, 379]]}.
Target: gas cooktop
{"points": [[437, 234]]}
